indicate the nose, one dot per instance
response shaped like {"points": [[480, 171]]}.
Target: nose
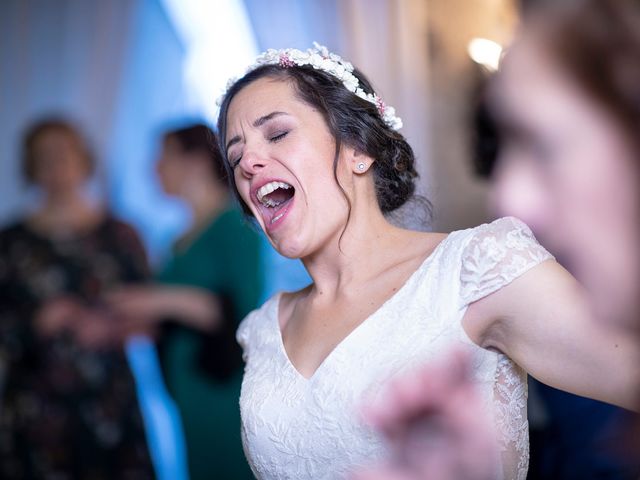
{"points": [[252, 162]]}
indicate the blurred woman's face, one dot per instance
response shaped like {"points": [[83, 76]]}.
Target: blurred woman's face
{"points": [[171, 166], [567, 170], [60, 163]]}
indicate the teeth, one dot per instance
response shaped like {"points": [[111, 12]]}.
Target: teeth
{"points": [[269, 188], [276, 218]]}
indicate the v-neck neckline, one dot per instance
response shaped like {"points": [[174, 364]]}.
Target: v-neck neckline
{"points": [[359, 327]]}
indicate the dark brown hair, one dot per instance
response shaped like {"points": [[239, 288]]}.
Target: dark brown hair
{"points": [[29, 159], [351, 120]]}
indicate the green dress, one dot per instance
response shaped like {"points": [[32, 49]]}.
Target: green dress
{"points": [[224, 259]]}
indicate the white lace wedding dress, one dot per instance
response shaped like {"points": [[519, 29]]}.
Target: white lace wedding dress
{"points": [[298, 428]]}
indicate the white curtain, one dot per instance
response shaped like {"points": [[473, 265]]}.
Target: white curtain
{"points": [[62, 57], [388, 40], [115, 68]]}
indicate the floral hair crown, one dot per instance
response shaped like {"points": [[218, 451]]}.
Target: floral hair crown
{"points": [[320, 58]]}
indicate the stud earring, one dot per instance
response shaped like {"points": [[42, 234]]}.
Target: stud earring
{"points": [[361, 166]]}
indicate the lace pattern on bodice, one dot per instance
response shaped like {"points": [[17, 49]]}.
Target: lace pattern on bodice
{"points": [[510, 416], [497, 254], [300, 428]]}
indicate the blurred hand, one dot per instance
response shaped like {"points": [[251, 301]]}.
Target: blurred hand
{"points": [[139, 308], [96, 329], [140, 302], [57, 315], [142, 307], [91, 327], [436, 426]]}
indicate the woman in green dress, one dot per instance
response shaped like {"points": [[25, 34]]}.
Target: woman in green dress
{"points": [[211, 282]]}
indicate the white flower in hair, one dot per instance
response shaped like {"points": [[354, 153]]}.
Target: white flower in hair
{"points": [[320, 58]]}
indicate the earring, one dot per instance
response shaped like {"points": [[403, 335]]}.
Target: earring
{"points": [[361, 166]]}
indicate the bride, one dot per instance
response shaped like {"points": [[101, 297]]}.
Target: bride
{"points": [[318, 161]]}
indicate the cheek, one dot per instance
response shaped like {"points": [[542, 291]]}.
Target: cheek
{"points": [[171, 176], [597, 205], [68, 165], [596, 190], [164, 173], [600, 221], [65, 170], [243, 187], [165, 181], [42, 178], [521, 191]]}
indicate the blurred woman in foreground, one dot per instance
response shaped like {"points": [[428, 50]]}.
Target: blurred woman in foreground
{"points": [[568, 104]]}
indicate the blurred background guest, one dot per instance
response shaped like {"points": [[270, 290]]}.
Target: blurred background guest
{"points": [[69, 405], [211, 282]]}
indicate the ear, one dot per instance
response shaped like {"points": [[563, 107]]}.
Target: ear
{"points": [[360, 163]]}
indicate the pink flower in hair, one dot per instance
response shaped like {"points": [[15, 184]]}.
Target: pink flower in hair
{"points": [[286, 61]]}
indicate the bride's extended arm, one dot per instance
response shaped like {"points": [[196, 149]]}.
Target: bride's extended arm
{"points": [[542, 321]]}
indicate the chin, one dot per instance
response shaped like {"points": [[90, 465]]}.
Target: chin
{"points": [[289, 251], [290, 248]]}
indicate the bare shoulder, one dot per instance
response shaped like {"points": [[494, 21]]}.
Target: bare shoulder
{"points": [[406, 250], [288, 302], [419, 245]]}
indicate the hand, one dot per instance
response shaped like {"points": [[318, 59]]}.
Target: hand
{"points": [[436, 426], [145, 306], [96, 329], [91, 327], [140, 302], [57, 315]]}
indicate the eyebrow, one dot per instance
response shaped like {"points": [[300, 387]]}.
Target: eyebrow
{"points": [[258, 123]]}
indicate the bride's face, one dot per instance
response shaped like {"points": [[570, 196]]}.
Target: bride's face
{"points": [[567, 170], [282, 153]]}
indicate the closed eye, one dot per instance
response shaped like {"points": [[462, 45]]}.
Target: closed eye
{"points": [[278, 137], [274, 139]]}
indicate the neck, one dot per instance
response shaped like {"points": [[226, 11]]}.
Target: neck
{"points": [[63, 201], [206, 201], [65, 211], [352, 258]]}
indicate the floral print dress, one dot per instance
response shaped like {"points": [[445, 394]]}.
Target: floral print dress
{"points": [[67, 411]]}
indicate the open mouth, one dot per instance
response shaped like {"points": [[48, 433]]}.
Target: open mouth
{"points": [[274, 198]]}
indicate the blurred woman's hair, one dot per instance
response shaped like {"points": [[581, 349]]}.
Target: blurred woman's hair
{"points": [[597, 44], [199, 138], [52, 124]]}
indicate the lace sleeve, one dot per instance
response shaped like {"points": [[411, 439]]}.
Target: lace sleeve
{"points": [[243, 336], [257, 330], [497, 254], [510, 407]]}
